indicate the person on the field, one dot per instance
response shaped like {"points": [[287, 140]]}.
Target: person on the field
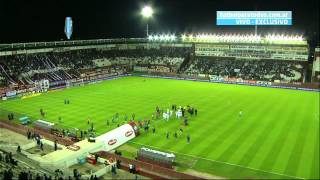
{"points": [[188, 138], [146, 128], [186, 121], [55, 145], [182, 110], [41, 146], [179, 114], [167, 136], [153, 130], [133, 116], [108, 123], [175, 135], [196, 112], [240, 114], [43, 114]]}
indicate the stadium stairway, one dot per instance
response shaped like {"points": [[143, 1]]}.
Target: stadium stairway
{"points": [[185, 64]]}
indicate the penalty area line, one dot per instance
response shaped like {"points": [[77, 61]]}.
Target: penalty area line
{"points": [[221, 162]]}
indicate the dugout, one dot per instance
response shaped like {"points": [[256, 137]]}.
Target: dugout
{"points": [[44, 125], [156, 157], [74, 154]]}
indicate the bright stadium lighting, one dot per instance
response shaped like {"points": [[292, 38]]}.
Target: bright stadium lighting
{"points": [[150, 38], [172, 37], [183, 37], [162, 38], [147, 12], [166, 37], [156, 37]]}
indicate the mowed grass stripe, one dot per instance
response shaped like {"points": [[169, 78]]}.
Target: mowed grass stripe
{"points": [[289, 143], [295, 155], [212, 125], [205, 146], [256, 146], [251, 120], [134, 95], [314, 173], [278, 144]]}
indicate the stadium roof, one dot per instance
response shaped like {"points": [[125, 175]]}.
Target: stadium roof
{"points": [[232, 38]]}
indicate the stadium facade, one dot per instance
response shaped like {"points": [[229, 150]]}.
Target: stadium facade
{"points": [[217, 57]]}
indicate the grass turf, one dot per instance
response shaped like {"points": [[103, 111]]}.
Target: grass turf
{"points": [[277, 136]]}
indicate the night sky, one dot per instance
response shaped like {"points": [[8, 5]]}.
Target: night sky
{"points": [[43, 20]]}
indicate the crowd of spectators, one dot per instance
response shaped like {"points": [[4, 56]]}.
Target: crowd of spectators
{"points": [[265, 70], [60, 66], [11, 169], [56, 66]]}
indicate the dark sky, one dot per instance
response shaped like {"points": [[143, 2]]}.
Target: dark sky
{"points": [[43, 20]]}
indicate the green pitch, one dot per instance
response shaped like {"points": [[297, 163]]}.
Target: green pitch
{"points": [[277, 136]]}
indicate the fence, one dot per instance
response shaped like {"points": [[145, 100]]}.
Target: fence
{"points": [[148, 168], [18, 128]]}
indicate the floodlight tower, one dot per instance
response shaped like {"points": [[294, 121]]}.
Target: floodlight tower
{"points": [[147, 13]]}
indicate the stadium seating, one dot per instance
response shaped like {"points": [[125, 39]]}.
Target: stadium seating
{"points": [[57, 66], [264, 70], [60, 66]]}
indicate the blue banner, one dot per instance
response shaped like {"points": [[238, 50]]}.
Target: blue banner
{"points": [[68, 27], [254, 18]]}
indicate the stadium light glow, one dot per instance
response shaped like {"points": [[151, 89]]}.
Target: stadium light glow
{"points": [[150, 38], [183, 37], [147, 12], [162, 37], [166, 37], [172, 37], [230, 38], [190, 37], [283, 38]]}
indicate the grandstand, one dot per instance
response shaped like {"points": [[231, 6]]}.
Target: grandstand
{"points": [[32, 75], [270, 58]]}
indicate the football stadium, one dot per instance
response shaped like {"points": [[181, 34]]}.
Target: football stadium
{"points": [[191, 105]]}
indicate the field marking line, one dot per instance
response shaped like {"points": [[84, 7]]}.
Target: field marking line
{"points": [[221, 162]]}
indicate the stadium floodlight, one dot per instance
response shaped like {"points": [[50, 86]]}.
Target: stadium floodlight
{"points": [[156, 37], [190, 37], [147, 13], [150, 38], [183, 37], [172, 37], [162, 37], [167, 37]]}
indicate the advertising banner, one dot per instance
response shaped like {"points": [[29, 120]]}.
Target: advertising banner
{"points": [[226, 18]]}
